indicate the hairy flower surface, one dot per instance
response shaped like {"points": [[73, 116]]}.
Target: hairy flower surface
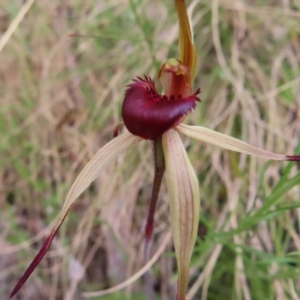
{"points": [[148, 114], [151, 116]]}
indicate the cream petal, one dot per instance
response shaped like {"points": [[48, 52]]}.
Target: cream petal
{"points": [[90, 172], [227, 142], [184, 197], [95, 166]]}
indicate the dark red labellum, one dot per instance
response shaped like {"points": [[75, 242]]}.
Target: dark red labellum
{"points": [[148, 114]]}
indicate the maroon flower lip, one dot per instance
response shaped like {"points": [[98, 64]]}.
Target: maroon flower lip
{"points": [[148, 114]]}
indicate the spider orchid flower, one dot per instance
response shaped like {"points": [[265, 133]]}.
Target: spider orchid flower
{"points": [[150, 116]]}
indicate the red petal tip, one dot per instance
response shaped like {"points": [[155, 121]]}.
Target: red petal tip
{"points": [[293, 157], [34, 263]]}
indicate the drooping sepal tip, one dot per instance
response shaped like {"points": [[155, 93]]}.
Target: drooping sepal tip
{"points": [[89, 173], [34, 263]]}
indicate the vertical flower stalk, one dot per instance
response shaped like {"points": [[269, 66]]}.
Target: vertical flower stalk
{"points": [[159, 171]]}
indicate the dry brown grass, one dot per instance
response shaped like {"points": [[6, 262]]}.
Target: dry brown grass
{"points": [[63, 72]]}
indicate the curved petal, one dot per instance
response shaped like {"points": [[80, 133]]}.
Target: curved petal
{"points": [[184, 204], [227, 142], [91, 171]]}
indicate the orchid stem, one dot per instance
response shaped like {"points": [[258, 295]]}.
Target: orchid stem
{"points": [[159, 170]]}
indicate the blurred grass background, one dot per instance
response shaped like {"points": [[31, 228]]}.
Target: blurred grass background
{"points": [[63, 74]]}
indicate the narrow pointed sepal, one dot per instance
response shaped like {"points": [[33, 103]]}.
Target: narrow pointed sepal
{"points": [[184, 200], [91, 171], [188, 54], [227, 142]]}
